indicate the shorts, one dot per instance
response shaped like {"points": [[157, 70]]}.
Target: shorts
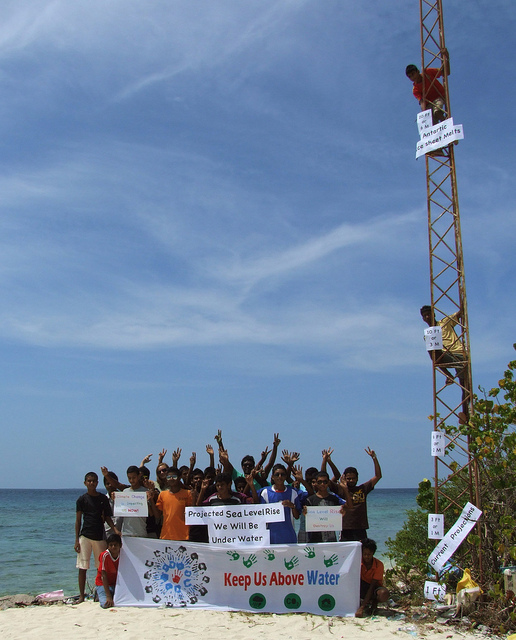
{"points": [[455, 360], [353, 535], [364, 588], [87, 548]]}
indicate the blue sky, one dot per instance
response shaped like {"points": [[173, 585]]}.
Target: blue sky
{"points": [[211, 217]]}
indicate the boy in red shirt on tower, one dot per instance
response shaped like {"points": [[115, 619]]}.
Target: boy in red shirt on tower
{"points": [[108, 570]]}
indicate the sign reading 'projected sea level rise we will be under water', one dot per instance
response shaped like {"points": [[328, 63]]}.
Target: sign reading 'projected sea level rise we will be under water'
{"points": [[244, 524]]}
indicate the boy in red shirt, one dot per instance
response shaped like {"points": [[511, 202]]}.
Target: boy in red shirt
{"points": [[372, 590], [108, 570]]}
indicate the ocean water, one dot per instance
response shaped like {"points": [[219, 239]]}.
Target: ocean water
{"points": [[37, 534]]}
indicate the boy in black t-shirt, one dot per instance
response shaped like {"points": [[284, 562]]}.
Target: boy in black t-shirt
{"points": [[92, 509], [324, 498]]}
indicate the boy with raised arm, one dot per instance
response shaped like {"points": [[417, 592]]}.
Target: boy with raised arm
{"points": [[323, 498], [171, 505], [354, 520]]}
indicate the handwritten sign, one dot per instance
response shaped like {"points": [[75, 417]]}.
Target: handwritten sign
{"points": [[424, 121], [438, 444], [323, 519], [453, 539], [131, 505], [433, 338], [435, 526], [440, 135]]}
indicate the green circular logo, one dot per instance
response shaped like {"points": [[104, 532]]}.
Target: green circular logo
{"points": [[257, 601], [292, 601], [326, 602]]}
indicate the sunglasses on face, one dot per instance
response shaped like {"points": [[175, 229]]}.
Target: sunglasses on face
{"points": [[174, 477]]}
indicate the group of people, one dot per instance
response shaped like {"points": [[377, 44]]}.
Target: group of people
{"points": [[177, 487]]}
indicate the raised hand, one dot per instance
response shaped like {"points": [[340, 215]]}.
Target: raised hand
{"points": [[193, 458], [209, 449], [175, 456], [161, 455], [276, 441]]}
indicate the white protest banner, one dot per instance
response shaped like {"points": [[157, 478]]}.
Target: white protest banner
{"points": [[433, 338], [242, 524], [322, 579], [438, 136], [131, 505], [438, 444], [452, 540], [424, 121], [323, 518], [434, 590], [435, 526]]}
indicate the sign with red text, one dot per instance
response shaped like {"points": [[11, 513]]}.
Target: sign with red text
{"points": [[321, 578], [323, 518], [131, 505]]}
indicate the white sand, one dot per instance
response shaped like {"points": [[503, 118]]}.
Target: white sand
{"points": [[89, 620]]}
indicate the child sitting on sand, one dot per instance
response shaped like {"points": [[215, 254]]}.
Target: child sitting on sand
{"points": [[372, 590], [108, 569]]}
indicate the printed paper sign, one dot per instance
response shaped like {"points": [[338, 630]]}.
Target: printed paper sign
{"points": [[435, 526], [235, 525], [323, 519], [433, 338], [440, 135], [131, 505], [452, 540], [284, 578], [438, 444], [434, 590]]}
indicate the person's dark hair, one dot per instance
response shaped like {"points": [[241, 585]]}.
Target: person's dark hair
{"points": [[110, 475], [174, 470], [241, 481], [91, 474], [248, 459], [425, 308], [114, 537], [197, 472], [323, 474], [210, 471], [369, 544], [223, 477], [277, 467], [311, 471], [132, 469], [410, 68], [144, 472], [351, 470]]}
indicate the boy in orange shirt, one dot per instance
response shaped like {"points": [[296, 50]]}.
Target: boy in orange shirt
{"points": [[171, 506], [372, 590]]}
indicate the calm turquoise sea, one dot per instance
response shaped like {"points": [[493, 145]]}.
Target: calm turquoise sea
{"points": [[37, 535]]}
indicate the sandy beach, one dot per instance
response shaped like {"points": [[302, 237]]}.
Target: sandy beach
{"points": [[88, 620]]}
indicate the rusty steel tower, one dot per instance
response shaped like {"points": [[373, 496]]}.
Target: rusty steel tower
{"points": [[455, 477]]}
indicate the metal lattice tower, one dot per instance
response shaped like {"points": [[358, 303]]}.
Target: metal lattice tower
{"points": [[448, 292]]}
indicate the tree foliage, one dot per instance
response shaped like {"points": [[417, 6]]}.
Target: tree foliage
{"points": [[491, 431]]}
